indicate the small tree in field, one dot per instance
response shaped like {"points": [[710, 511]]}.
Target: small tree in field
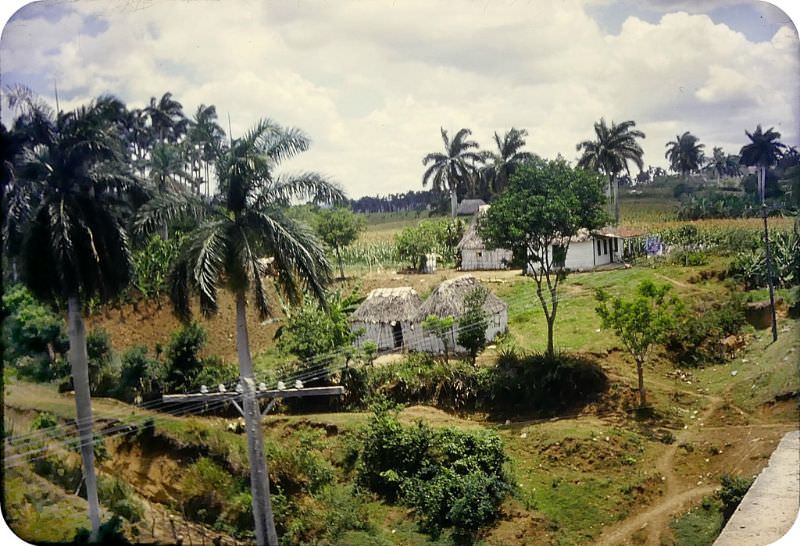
{"points": [[641, 322], [339, 227], [442, 329], [545, 204], [472, 326]]}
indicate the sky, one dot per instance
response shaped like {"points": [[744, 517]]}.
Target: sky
{"points": [[372, 82]]}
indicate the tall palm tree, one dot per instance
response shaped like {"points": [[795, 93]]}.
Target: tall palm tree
{"points": [[610, 152], [247, 222], [454, 169], [501, 164], [764, 151], [685, 153], [68, 195], [166, 118], [207, 135], [718, 163]]}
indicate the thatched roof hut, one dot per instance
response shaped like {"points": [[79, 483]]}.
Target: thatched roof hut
{"points": [[475, 255], [388, 304], [447, 299], [386, 317]]}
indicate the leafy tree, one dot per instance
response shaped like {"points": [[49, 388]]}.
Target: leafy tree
{"points": [[546, 202], [609, 154], [243, 225], [502, 163], [414, 242], [442, 329], [733, 490], [641, 322], [71, 181], [30, 328], [455, 169], [102, 377], [473, 324], [318, 329], [685, 153], [339, 227]]}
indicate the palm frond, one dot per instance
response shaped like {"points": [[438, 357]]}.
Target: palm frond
{"points": [[166, 207]]}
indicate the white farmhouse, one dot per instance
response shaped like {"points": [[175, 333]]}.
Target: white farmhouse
{"points": [[588, 250]]}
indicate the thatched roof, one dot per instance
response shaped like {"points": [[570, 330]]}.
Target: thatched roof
{"points": [[470, 206], [448, 299], [471, 240], [388, 305]]}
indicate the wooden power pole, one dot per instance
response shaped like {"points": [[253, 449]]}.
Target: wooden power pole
{"points": [[762, 186], [252, 413]]}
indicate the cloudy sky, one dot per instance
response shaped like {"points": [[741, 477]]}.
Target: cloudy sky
{"points": [[372, 81]]}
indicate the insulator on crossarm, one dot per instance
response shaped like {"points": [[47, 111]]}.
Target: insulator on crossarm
{"points": [[221, 387], [203, 389], [281, 386], [239, 388], [262, 386], [298, 384]]}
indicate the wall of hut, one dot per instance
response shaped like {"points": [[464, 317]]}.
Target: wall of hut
{"points": [[385, 334], [473, 259]]}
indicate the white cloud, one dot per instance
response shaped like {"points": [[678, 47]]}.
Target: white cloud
{"points": [[372, 82]]}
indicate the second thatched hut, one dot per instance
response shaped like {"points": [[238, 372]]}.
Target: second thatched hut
{"points": [[448, 300]]}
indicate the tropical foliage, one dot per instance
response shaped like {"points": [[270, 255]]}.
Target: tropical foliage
{"points": [[455, 170], [685, 153]]}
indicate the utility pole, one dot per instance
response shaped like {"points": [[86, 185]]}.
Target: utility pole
{"points": [[762, 186], [266, 535]]}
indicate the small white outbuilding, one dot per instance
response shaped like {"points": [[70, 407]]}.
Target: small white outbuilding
{"points": [[475, 255]]}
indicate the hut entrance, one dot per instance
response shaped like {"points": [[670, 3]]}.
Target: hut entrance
{"points": [[397, 335]]}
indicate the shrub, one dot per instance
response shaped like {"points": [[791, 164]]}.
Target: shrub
{"points": [[298, 466], [118, 497], [31, 331], [216, 371], [695, 341], [102, 376], [545, 383], [312, 331], [688, 257], [183, 356], [452, 478], [206, 488], [140, 375], [110, 533], [44, 420], [733, 491]]}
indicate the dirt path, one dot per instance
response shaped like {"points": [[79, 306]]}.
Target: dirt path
{"points": [[676, 494]]}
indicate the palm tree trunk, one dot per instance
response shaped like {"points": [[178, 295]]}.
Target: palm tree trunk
{"points": [[453, 202], [616, 201], [79, 361], [259, 476]]}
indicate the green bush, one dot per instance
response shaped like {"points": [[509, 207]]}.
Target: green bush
{"points": [[733, 491], [183, 356], [298, 466], [216, 371], [109, 534], [206, 489], [546, 384], [103, 378], [696, 339], [140, 375], [688, 257], [44, 420], [452, 478], [118, 497], [33, 336], [312, 331], [750, 266]]}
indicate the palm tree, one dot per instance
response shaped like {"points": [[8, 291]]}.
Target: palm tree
{"points": [[455, 168], [206, 135], [718, 163], [685, 153], [501, 164], [166, 118], [68, 195], [764, 151], [610, 152], [243, 225]]}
